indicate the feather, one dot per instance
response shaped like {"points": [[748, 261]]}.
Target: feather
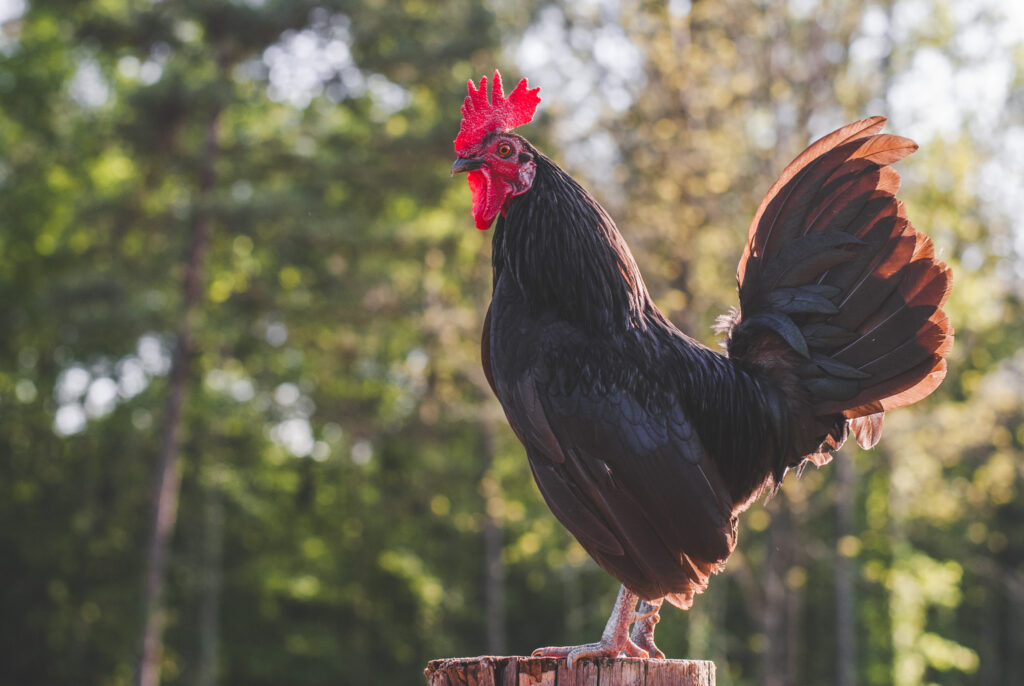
{"points": [[782, 325], [817, 181], [807, 249], [877, 337], [802, 300], [867, 429], [831, 388], [902, 390], [762, 225], [569, 507], [833, 367], [823, 336]]}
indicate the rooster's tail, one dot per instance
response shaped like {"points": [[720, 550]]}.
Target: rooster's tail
{"points": [[835, 277]]}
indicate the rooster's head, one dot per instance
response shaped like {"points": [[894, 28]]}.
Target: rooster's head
{"points": [[499, 163]]}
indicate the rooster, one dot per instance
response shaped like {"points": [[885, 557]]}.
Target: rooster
{"points": [[646, 444]]}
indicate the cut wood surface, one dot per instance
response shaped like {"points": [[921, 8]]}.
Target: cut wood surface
{"points": [[547, 671]]}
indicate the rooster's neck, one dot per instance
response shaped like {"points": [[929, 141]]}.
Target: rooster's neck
{"points": [[565, 254]]}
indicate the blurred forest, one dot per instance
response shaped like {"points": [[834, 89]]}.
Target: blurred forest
{"points": [[231, 254]]}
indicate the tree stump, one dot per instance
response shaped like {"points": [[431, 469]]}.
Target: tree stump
{"points": [[548, 671]]}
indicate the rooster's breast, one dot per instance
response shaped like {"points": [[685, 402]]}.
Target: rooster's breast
{"points": [[611, 447]]}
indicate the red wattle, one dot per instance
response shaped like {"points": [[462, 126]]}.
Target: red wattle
{"points": [[488, 197]]}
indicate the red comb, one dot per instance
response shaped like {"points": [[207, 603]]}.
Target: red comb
{"points": [[480, 117]]}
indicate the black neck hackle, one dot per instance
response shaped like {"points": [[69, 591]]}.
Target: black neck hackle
{"points": [[565, 253]]}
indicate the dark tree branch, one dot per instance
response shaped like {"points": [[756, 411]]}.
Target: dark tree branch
{"points": [[168, 480]]}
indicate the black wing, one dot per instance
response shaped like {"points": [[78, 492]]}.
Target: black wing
{"points": [[621, 466]]}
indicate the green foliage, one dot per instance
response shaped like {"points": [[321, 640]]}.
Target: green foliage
{"points": [[343, 458]]}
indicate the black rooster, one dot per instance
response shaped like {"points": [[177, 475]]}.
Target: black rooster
{"points": [[646, 444]]}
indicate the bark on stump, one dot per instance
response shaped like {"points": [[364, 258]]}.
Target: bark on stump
{"points": [[547, 671]]}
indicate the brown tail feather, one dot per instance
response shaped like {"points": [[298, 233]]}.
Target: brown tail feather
{"points": [[867, 429], [859, 129], [832, 228]]}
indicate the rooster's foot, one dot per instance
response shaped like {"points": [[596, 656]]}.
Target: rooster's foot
{"points": [[616, 640], [602, 648], [643, 631]]}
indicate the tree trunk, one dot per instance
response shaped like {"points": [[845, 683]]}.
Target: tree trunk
{"points": [[212, 577], [1015, 625], [778, 665], [168, 480], [846, 621], [494, 566], [546, 671]]}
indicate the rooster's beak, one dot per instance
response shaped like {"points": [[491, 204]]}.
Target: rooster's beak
{"points": [[465, 164]]}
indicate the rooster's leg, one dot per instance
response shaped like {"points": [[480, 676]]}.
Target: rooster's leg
{"points": [[614, 640], [643, 631]]}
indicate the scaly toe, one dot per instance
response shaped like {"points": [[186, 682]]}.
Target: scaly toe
{"points": [[643, 636], [600, 649], [634, 650]]}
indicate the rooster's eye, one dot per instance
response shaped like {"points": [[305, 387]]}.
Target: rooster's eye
{"points": [[504, 150]]}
